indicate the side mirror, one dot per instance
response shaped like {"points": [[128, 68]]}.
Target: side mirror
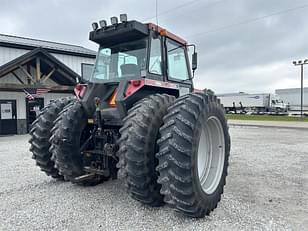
{"points": [[194, 61], [83, 80]]}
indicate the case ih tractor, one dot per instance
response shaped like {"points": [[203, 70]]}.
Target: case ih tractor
{"points": [[139, 117]]}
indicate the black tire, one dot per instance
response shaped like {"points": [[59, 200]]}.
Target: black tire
{"points": [[137, 148], [40, 134], [66, 142], [178, 154]]}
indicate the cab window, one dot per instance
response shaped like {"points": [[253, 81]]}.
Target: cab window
{"points": [[126, 59], [155, 57], [120, 61], [177, 64]]}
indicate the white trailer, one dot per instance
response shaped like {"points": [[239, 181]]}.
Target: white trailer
{"points": [[244, 102], [292, 96]]}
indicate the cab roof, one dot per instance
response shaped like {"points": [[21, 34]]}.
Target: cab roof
{"points": [[130, 30], [166, 33]]}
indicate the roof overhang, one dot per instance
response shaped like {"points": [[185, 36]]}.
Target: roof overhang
{"points": [[62, 75]]}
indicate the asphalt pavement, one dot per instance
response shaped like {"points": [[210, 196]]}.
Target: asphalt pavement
{"points": [[273, 124]]}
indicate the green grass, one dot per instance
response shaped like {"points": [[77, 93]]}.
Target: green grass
{"points": [[264, 117]]}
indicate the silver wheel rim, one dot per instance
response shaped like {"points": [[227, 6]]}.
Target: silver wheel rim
{"points": [[211, 154]]}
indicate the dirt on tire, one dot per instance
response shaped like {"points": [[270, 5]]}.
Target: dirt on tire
{"points": [[40, 133], [66, 142], [178, 151], [137, 148]]}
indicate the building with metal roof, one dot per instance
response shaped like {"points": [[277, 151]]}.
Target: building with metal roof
{"points": [[34, 72], [55, 47]]}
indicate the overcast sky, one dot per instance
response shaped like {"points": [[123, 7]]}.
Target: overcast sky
{"points": [[240, 47]]}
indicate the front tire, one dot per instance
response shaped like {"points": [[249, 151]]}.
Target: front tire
{"points": [[193, 154]]}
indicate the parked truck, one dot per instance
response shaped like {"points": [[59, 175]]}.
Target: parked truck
{"points": [[256, 103]]}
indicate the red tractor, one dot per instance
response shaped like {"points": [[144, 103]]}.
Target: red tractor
{"points": [[139, 117]]}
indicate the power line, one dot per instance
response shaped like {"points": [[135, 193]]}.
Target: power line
{"points": [[249, 21], [181, 6], [172, 9]]}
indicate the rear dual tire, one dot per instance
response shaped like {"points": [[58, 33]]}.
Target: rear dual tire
{"points": [[137, 148], [40, 135], [66, 140], [193, 154]]}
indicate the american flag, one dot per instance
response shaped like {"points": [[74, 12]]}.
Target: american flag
{"points": [[32, 93]]}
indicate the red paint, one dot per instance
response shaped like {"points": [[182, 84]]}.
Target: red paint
{"points": [[80, 90], [133, 86], [198, 90], [136, 83], [152, 82]]}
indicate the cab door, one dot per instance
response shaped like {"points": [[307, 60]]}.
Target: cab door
{"points": [[178, 66]]}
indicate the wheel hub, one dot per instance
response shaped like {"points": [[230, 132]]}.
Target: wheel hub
{"points": [[211, 154]]}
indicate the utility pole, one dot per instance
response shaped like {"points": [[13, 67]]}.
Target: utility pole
{"points": [[301, 63]]}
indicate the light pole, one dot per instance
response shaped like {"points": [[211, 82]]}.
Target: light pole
{"points": [[301, 63]]}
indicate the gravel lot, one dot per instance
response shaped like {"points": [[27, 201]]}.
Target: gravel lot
{"points": [[267, 189]]}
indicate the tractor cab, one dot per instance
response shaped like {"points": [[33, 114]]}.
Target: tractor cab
{"points": [[133, 50], [135, 60]]}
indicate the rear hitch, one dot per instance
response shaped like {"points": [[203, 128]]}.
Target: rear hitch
{"points": [[85, 177], [98, 115]]}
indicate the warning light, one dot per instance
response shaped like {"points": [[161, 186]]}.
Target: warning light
{"points": [[163, 32], [112, 101]]}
